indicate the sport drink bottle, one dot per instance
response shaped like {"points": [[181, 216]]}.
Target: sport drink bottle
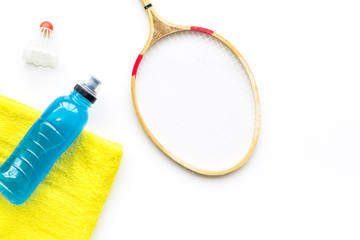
{"points": [[56, 129]]}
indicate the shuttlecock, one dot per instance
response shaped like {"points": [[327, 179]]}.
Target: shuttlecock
{"points": [[40, 50]]}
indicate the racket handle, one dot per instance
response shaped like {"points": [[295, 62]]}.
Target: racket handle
{"points": [[145, 2]]}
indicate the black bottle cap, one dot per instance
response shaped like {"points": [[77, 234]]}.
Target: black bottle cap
{"points": [[80, 89], [89, 90]]}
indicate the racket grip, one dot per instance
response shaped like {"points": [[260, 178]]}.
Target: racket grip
{"points": [[145, 2]]}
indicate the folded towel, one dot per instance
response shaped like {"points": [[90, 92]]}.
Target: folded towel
{"points": [[67, 204]]}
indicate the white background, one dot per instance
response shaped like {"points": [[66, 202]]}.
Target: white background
{"points": [[302, 181]]}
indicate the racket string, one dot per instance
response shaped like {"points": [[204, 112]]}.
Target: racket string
{"points": [[196, 98]]}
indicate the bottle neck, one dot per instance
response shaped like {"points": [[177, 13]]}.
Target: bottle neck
{"points": [[77, 97]]}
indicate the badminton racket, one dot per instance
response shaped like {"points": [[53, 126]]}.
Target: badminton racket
{"points": [[195, 96]]}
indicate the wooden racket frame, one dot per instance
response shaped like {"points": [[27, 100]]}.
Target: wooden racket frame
{"points": [[160, 28]]}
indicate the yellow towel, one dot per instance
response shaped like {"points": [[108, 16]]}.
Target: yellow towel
{"points": [[67, 204]]}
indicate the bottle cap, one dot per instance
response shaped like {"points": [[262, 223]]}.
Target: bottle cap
{"points": [[90, 89]]}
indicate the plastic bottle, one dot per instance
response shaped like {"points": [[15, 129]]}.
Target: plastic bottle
{"points": [[56, 129]]}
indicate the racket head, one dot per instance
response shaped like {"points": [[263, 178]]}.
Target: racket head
{"points": [[160, 31]]}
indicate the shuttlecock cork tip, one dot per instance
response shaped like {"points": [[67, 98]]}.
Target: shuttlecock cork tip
{"points": [[47, 24]]}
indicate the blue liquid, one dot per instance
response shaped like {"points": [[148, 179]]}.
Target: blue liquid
{"points": [[49, 137]]}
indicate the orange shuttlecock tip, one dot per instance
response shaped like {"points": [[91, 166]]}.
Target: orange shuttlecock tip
{"points": [[47, 25]]}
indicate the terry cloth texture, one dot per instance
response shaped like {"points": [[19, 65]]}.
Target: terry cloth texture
{"points": [[67, 204]]}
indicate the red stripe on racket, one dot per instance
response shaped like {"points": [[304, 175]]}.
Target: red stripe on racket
{"points": [[136, 66], [200, 29]]}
